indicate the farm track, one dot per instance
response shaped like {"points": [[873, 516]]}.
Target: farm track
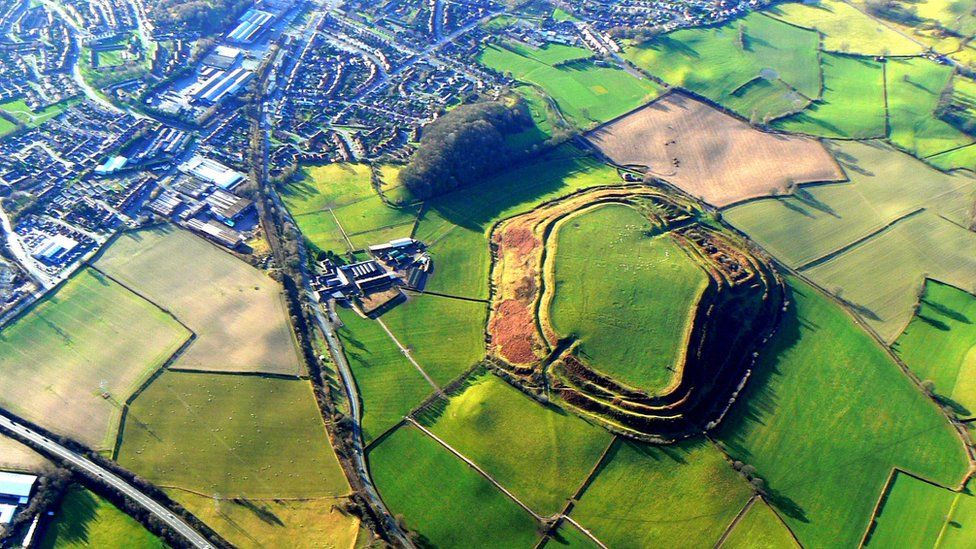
{"points": [[406, 353], [474, 466]]}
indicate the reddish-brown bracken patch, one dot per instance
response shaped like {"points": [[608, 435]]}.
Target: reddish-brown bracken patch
{"points": [[513, 332], [519, 239]]}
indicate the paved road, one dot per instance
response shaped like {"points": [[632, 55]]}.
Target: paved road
{"points": [[352, 395], [174, 522]]}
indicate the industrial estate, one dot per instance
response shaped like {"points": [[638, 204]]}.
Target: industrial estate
{"points": [[486, 273]]}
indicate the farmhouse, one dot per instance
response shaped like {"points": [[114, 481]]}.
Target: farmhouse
{"points": [[15, 490]]}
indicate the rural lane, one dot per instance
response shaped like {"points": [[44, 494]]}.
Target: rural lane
{"points": [[83, 463]]}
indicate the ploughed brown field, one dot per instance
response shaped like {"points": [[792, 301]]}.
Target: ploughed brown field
{"points": [[711, 155]]}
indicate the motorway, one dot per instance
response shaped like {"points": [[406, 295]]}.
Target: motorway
{"points": [[165, 515]]}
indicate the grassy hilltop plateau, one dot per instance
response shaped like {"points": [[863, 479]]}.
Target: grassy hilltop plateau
{"points": [[525, 274]]}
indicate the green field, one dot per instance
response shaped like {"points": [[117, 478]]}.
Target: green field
{"points": [[759, 528], [885, 185], [231, 436], [459, 255], [570, 537], [6, 126], [455, 225], [389, 385], [87, 520], [85, 340], [914, 88], [912, 515], [444, 499], [960, 524], [846, 29], [940, 344], [882, 276], [446, 336], [852, 104], [826, 416], [111, 58], [720, 63], [680, 495], [585, 92], [19, 109], [632, 324], [541, 453], [237, 312], [344, 193]]}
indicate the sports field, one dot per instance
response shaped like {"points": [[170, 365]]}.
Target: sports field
{"points": [[852, 104], [897, 261], [846, 29], [444, 499], [721, 62], [826, 416], [913, 514], [71, 362], [237, 312], [680, 495], [939, 344], [759, 528], [232, 436], [914, 89], [885, 185], [389, 385], [253, 523], [633, 325], [446, 336], [711, 155], [541, 453], [87, 520], [586, 93]]}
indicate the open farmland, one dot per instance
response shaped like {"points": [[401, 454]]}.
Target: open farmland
{"points": [[681, 495], [72, 360], [87, 520], [296, 523], [443, 498], [898, 260], [711, 155], [852, 105], [757, 66], [540, 453], [586, 93], [336, 204], [827, 402], [846, 29], [885, 185], [245, 436], [913, 514], [14, 456], [939, 344], [570, 537], [759, 528], [236, 311], [459, 254], [446, 336], [635, 326], [390, 386], [914, 89]]}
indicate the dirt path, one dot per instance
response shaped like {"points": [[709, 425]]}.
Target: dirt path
{"points": [[406, 353], [474, 466]]}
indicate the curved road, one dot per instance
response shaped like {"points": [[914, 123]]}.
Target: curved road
{"points": [[99, 472]]}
